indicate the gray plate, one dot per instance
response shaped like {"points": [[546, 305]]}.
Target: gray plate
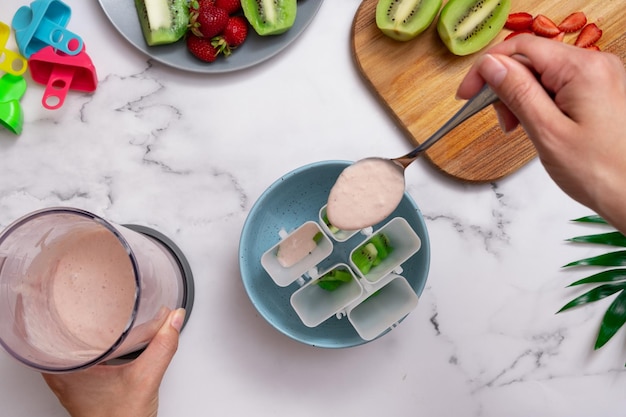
{"points": [[256, 49]]}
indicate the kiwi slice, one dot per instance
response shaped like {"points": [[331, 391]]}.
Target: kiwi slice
{"points": [[467, 26], [270, 17], [318, 236], [333, 279], [162, 21], [382, 244], [403, 20], [333, 229], [364, 257]]}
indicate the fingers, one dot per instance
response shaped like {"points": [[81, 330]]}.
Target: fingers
{"points": [[525, 72], [506, 118], [544, 57], [159, 353]]}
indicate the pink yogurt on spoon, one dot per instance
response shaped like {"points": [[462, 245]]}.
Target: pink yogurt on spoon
{"points": [[365, 193]]}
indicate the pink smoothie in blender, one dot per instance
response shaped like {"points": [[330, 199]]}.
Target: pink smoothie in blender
{"points": [[78, 290]]}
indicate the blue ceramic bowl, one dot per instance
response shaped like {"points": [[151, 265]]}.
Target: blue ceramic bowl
{"points": [[292, 200]]}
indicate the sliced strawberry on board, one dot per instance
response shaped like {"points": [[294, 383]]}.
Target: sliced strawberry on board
{"points": [[518, 32], [519, 21], [544, 26], [590, 34], [593, 47], [573, 23]]}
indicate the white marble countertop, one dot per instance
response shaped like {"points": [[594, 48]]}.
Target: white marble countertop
{"points": [[190, 154]]}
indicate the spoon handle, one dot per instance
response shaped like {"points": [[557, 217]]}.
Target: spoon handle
{"points": [[482, 99]]}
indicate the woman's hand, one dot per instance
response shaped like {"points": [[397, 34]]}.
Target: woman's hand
{"points": [[572, 103], [128, 390]]}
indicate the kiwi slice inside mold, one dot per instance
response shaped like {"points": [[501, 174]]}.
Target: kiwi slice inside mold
{"points": [[467, 26], [162, 21], [334, 279], [364, 257], [270, 17], [403, 20]]}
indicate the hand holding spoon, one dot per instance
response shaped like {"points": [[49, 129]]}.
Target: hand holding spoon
{"points": [[370, 189]]}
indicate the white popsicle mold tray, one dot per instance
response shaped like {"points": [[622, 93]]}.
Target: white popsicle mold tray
{"points": [[372, 302]]}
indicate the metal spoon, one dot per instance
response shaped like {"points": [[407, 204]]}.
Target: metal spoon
{"points": [[485, 97], [361, 199]]}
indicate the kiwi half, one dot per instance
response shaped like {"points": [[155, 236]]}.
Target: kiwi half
{"points": [[162, 21], [270, 17], [467, 26], [403, 20]]}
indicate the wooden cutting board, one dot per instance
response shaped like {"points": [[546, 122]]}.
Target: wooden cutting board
{"points": [[417, 82]]}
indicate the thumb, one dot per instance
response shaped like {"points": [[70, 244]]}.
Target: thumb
{"points": [[521, 93], [159, 353]]}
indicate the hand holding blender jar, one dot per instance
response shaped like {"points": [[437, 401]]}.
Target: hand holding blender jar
{"points": [[77, 290]]}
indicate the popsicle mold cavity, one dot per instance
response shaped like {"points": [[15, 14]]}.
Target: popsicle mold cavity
{"points": [[383, 308], [404, 243], [338, 234], [297, 253], [314, 304]]}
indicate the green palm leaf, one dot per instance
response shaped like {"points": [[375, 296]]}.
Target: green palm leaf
{"points": [[612, 280], [611, 238], [595, 294], [591, 219], [612, 275], [608, 259], [614, 318]]}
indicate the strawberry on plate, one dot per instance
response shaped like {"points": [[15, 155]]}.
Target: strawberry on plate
{"points": [[201, 48], [232, 36], [231, 6], [208, 20], [236, 31]]}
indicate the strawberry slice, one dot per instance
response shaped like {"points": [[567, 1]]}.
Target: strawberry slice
{"points": [[593, 47], [544, 26], [519, 21], [573, 23], [518, 32], [588, 36]]}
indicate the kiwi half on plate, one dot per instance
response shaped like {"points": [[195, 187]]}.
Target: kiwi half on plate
{"points": [[270, 17], [403, 20], [467, 26], [162, 21]]}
